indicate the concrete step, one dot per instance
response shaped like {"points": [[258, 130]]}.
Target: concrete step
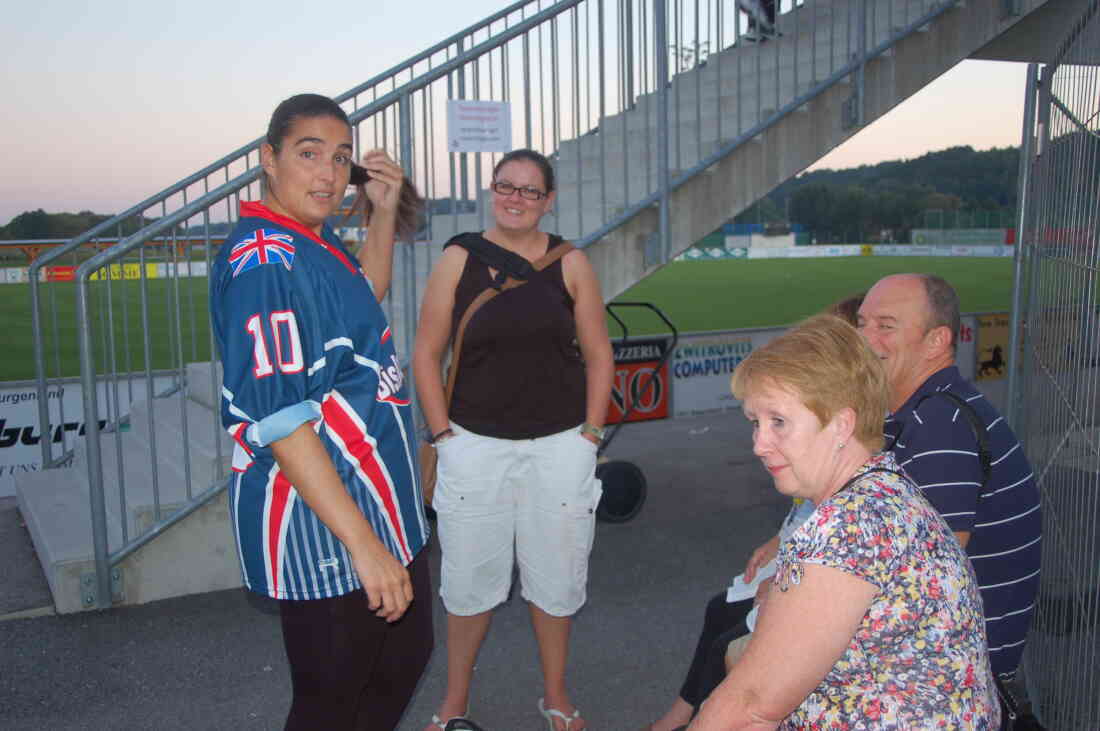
{"points": [[134, 484], [198, 554], [56, 508], [204, 384], [205, 447]]}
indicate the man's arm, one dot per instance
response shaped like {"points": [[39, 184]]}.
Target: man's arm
{"points": [[780, 667]]}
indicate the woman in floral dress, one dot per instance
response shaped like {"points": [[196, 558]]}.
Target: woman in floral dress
{"points": [[890, 628]]}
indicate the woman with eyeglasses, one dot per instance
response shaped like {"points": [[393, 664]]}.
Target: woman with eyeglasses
{"points": [[517, 448]]}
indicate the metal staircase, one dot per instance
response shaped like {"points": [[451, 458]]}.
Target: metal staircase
{"points": [[663, 120]]}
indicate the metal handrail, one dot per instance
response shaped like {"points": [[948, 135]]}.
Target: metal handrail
{"points": [[181, 186], [678, 181], [104, 559], [254, 145], [400, 99]]}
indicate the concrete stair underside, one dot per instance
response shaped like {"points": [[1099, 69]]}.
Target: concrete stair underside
{"points": [[604, 172]]}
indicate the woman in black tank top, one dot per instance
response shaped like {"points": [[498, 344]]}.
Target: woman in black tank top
{"points": [[534, 379]]}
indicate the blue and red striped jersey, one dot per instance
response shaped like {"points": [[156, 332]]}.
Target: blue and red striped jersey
{"points": [[303, 340]]}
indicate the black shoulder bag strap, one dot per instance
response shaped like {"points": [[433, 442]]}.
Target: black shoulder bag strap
{"points": [[985, 457], [1009, 704], [507, 263]]}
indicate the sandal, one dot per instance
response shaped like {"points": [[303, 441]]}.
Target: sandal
{"points": [[551, 713], [455, 723]]}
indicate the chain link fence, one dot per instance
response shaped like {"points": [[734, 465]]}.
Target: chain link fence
{"points": [[1057, 384]]}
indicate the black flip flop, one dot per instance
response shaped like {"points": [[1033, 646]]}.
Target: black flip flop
{"points": [[462, 724]]}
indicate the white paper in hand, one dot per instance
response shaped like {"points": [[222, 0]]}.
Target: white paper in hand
{"points": [[739, 590]]}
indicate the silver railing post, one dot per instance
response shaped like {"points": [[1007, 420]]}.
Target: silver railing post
{"points": [[1041, 147], [861, 73], [460, 74], [38, 335], [102, 599], [660, 43], [404, 111], [1022, 203], [628, 47]]}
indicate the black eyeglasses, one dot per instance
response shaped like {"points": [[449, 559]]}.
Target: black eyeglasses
{"points": [[506, 189]]}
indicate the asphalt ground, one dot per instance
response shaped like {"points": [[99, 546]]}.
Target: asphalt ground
{"points": [[216, 661]]}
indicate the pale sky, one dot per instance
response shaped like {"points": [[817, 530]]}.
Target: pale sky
{"points": [[108, 102]]}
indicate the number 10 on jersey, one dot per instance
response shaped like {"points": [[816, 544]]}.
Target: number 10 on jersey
{"points": [[282, 330]]}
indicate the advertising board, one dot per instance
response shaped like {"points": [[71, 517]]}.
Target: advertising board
{"points": [[639, 381], [21, 434]]}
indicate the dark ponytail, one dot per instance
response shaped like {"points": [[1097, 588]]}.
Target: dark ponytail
{"points": [[409, 204]]}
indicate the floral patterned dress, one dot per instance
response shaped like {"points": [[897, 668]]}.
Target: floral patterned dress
{"points": [[918, 660]]}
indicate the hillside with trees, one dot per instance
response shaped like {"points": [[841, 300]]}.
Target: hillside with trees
{"points": [[887, 200], [41, 225], [866, 203]]}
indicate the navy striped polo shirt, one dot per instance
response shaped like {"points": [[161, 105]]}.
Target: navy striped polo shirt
{"points": [[936, 445]]}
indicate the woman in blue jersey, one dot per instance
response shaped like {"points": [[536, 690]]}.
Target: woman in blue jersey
{"points": [[325, 501], [517, 447]]}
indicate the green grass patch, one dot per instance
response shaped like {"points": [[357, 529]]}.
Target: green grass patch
{"points": [[709, 295], [734, 293], [172, 330]]}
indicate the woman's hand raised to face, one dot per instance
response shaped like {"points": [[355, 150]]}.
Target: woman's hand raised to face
{"points": [[386, 177]]}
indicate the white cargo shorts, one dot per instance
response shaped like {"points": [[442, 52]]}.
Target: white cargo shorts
{"points": [[499, 500]]}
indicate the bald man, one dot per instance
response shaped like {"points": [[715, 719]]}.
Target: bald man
{"points": [[911, 321]]}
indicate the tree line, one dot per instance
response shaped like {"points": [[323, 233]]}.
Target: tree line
{"points": [[886, 201], [38, 224], [855, 204]]}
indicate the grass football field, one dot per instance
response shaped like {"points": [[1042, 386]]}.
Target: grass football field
{"points": [[737, 293], [706, 295], [191, 326]]}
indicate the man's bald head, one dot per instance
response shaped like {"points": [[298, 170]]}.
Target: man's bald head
{"points": [[911, 321]]}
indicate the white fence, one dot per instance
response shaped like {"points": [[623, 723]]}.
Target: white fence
{"points": [[828, 251]]}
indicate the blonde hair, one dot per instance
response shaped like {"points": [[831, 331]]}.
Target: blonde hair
{"points": [[828, 365]]}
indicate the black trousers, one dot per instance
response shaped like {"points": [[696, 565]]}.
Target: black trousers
{"points": [[769, 10], [722, 624], [351, 669]]}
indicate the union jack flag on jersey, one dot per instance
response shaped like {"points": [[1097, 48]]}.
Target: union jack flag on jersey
{"points": [[262, 247]]}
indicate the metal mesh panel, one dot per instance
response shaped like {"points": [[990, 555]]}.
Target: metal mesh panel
{"points": [[1059, 386]]}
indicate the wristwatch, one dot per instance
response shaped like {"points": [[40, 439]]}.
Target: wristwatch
{"points": [[596, 431], [436, 438]]}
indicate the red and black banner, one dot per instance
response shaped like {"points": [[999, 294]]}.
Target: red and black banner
{"points": [[639, 381]]}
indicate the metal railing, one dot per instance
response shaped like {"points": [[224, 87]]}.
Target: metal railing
{"points": [[1056, 382], [179, 195], [631, 98]]}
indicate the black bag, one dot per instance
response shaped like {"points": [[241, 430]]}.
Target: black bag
{"points": [[1013, 718]]}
